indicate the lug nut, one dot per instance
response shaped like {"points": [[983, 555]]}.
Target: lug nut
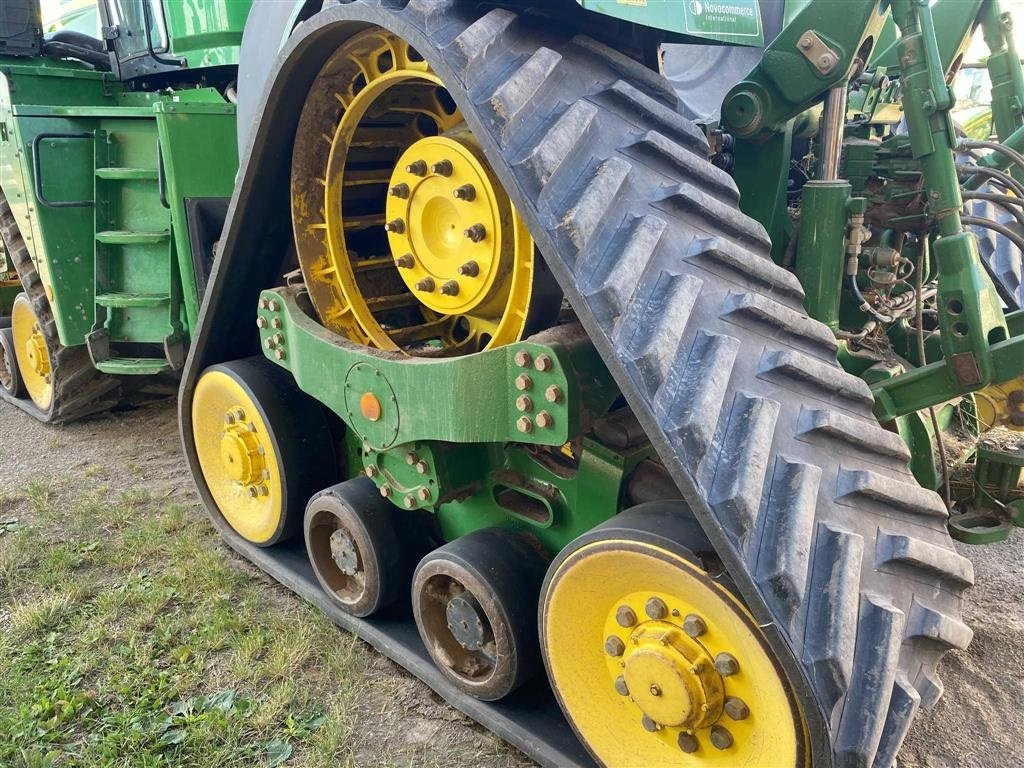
{"points": [[466, 192], [270, 343], [264, 303], [400, 190], [726, 664], [736, 708], [649, 725], [523, 358], [625, 616], [253, 493], [694, 626], [614, 646], [409, 501], [261, 322], [279, 354], [385, 490], [421, 467], [545, 420], [423, 494], [523, 382], [656, 608], [273, 306], [524, 424], [411, 458], [620, 686], [442, 168], [476, 233], [524, 403], [426, 285], [417, 168], [395, 227], [450, 288], [405, 261], [688, 743], [469, 269], [264, 491], [371, 471], [543, 363], [720, 737], [655, 690], [276, 322], [553, 394], [229, 418]]}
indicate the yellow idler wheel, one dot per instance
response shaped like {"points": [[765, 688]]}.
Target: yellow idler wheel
{"points": [[264, 447], [32, 354], [654, 662], [406, 239]]}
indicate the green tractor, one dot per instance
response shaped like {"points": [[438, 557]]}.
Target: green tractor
{"points": [[117, 157], [605, 364]]}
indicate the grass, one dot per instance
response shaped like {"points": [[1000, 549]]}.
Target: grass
{"points": [[127, 638]]}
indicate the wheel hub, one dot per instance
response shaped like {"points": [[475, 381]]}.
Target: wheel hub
{"points": [[35, 351], [343, 552], [242, 453], [671, 678], [466, 622], [450, 227]]}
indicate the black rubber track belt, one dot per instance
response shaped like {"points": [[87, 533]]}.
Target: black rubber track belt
{"points": [[1004, 259], [840, 555], [79, 389]]}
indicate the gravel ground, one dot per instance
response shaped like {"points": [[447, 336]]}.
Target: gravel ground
{"points": [[977, 723]]}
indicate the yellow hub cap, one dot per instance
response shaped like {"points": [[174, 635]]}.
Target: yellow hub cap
{"points": [[658, 665], [32, 354], [405, 237], [237, 456]]}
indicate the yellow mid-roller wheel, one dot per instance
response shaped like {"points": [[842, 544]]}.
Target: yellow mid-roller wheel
{"points": [[32, 353], [657, 664], [263, 446]]}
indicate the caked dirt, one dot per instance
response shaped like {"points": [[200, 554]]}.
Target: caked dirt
{"points": [[977, 724]]}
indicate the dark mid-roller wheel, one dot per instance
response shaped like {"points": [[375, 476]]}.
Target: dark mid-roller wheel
{"points": [[475, 605], [263, 445], [10, 376], [354, 548]]}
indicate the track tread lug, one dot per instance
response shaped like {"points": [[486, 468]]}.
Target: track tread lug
{"points": [[872, 487], [594, 203], [748, 266], [903, 705], [862, 436], [928, 624], [565, 138], [712, 212], [800, 368], [759, 311], [519, 93], [905, 550], [640, 109], [608, 277], [657, 147]]}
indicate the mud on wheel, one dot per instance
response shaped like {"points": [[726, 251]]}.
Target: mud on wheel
{"points": [[809, 612]]}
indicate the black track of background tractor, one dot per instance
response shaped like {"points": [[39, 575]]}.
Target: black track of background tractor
{"points": [[1004, 259], [841, 556], [78, 388]]}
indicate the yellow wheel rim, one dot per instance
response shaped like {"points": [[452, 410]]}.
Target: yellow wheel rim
{"points": [[32, 354], [657, 665], [406, 239], [237, 456]]}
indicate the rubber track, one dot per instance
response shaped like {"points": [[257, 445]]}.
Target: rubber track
{"points": [[808, 499], [79, 389], [1004, 259]]}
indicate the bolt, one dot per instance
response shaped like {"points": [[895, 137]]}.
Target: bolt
{"points": [[251, 426], [523, 359], [239, 414], [264, 491], [625, 616], [720, 737], [523, 382], [385, 490], [545, 420], [426, 285], [278, 338], [688, 743], [694, 626], [826, 61], [649, 725], [273, 306], [726, 664], [543, 363], [261, 322], [253, 493], [450, 288], [411, 458], [264, 304], [400, 190], [409, 501], [279, 354], [424, 494], [417, 168], [655, 691], [656, 608], [276, 322], [229, 418], [395, 226], [620, 686], [524, 424], [442, 168], [405, 261], [466, 192], [553, 394], [736, 708], [614, 646], [422, 468], [806, 43], [524, 403], [469, 269], [371, 471], [476, 233], [270, 343]]}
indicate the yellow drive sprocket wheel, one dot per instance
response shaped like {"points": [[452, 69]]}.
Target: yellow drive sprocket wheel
{"points": [[655, 663], [32, 353], [406, 239]]}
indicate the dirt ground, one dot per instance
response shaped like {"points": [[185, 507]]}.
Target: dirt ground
{"points": [[977, 724]]}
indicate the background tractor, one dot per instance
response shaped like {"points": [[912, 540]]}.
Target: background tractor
{"points": [[613, 367]]}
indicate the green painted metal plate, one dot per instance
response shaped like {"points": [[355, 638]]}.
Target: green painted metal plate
{"points": [[730, 21]]}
